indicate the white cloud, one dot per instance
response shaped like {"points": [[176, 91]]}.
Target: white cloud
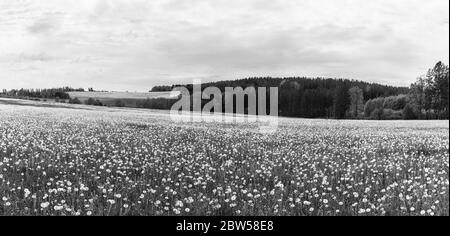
{"points": [[133, 45]]}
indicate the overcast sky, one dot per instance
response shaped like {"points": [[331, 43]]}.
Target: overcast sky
{"points": [[134, 45]]}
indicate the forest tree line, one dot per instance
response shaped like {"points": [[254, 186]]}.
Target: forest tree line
{"points": [[427, 98], [51, 93], [309, 97]]}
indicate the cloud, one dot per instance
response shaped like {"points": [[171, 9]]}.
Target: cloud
{"points": [[41, 26], [41, 57], [136, 44]]}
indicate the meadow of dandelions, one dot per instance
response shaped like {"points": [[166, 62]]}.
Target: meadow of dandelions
{"points": [[57, 161]]}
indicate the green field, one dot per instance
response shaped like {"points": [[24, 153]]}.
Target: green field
{"points": [[129, 99], [80, 160]]}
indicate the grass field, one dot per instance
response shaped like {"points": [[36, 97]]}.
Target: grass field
{"points": [[77, 160], [128, 98], [119, 95]]}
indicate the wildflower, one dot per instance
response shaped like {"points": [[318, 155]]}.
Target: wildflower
{"points": [[45, 205], [26, 192], [179, 204]]}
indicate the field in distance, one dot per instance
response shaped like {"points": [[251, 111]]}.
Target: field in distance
{"points": [[62, 159], [120, 95], [127, 98]]}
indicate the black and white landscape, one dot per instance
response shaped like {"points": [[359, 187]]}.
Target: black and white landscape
{"points": [[224, 108]]}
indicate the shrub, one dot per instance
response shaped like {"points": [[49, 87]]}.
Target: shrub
{"points": [[93, 102], [395, 102], [410, 113], [119, 103], [372, 105], [74, 101], [98, 103], [90, 101], [376, 114], [389, 114]]}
